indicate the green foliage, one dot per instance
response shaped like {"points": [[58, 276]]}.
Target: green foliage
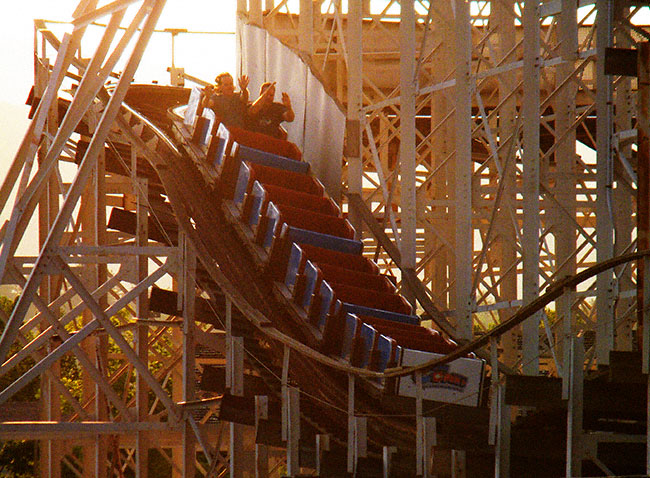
{"points": [[17, 458], [31, 391]]}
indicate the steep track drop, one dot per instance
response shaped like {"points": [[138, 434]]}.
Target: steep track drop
{"points": [[227, 259]]}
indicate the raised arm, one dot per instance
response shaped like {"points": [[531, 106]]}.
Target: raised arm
{"points": [[259, 102], [288, 115], [243, 88]]}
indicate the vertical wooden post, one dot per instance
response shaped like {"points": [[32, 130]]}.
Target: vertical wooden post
{"points": [[419, 427], [574, 451], [351, 457], [142, 331], [306, 27], [354, 119], [360, 437], [494, 391], [322, 445], [407, 131], [458, 464], [430, 441], [502, 452], [463, 171], [604, 184], [285, 392], [293, 432], [531, 170], [643, 214], [261, 451], [189, 353], [387, 455], [235, 383]]}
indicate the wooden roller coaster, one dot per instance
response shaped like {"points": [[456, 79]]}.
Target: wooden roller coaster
{"points": [[196, 282]]}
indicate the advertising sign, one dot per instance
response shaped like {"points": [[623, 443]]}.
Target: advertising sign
{"points": [[458, 382]]}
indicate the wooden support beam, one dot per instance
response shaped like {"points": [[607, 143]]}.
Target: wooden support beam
{"points": [[188, 287], [458, 464], [322, 446], [575, 454], [350, 448], [387, 458], [293, 432], [261, 451], [502, 449]]}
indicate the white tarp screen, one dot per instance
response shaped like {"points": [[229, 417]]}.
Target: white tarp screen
{"points": [[319, 126]]}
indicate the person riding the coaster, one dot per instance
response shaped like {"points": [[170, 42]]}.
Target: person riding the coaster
{"points": [[229, 107], [266, 116]]}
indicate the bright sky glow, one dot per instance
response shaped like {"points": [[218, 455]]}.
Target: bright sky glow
{"points": [[202, 55]]}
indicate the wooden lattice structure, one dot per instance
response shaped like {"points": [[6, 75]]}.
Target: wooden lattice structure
{"points": [[471, 136]]}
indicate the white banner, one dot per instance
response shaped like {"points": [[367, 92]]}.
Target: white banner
{"points": [[458, 382], [319, 126]]}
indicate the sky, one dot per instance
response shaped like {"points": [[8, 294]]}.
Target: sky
{"points": [[201, 54]]}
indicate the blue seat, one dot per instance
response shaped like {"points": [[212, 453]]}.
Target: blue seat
{"points": [[349, 333], [327, 297], [326, 241], [384, 349], [241, 186], [216, 151], [381, 314], [367, 334], [272, 220], [256, 197], [245, 153], [311, 281], [293, 265]]}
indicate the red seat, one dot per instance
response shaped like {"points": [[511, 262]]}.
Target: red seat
{"points": [[369, 298], [285, 179], [290, 197], [342, 275], [265, 143], [313, 221], [357, 262]]}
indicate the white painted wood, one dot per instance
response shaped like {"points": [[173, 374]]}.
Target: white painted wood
{"points": [[104, 320], [322, 445], [361, 437], [261, 451], [575, 409], [351, 440], [419, 427], [237, 360], [502, 449], [530, 189], [188, 288], [387, 455], [494, 390], [293, 439], [604, 179], [463, 171], [407, 133], [354, 116], [458, 464]]}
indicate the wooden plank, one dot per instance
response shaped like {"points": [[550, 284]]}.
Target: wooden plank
{"points": [[213, 379], [625, 367], [533, 391], [621, 61], [237, 409], [125, 221]]}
